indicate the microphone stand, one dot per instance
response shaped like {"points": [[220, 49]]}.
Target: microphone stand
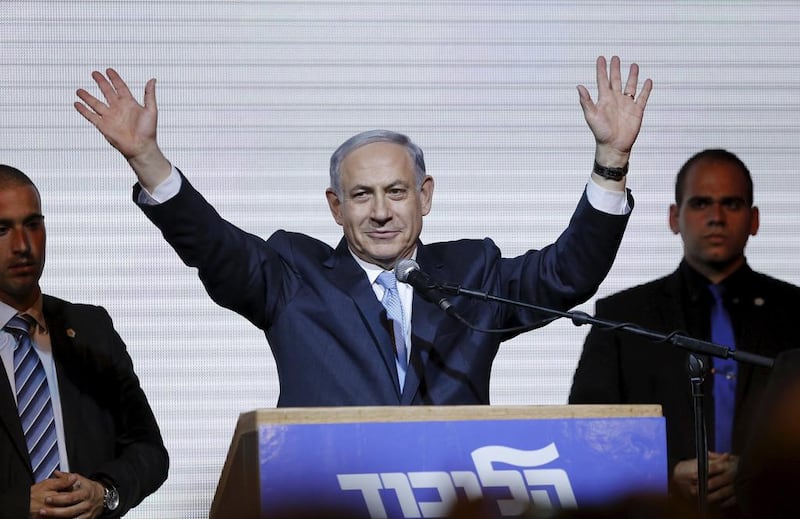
{"points": [[579, 318], [697, 368], [697, 371]]}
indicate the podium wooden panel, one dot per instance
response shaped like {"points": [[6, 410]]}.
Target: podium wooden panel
{"points": [[239, 492]]}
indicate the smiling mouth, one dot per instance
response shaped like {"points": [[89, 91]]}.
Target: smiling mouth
{"points": [[383, 234]]}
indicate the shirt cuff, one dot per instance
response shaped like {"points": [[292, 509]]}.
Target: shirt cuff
{"points": [[607, 201], [164, 191]]}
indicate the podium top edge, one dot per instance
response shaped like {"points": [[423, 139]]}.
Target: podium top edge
{"points": [[311, 415]]}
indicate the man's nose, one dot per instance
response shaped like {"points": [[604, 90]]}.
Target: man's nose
{"points": [[380, 209], [20, 242], [716, 212]]}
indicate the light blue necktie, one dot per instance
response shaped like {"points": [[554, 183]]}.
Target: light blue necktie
{"points": [[33, 401], [394, 309], [724, 373]]}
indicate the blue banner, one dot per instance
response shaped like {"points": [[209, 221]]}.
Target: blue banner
{"points": [[421, 469]]}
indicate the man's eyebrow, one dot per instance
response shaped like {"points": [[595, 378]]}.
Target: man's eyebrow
{"points": [[36, 217], [360, 187], [722, 198], [30, 217]]}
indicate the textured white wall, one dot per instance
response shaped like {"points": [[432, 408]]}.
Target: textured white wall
{"points": [[255, 95]]}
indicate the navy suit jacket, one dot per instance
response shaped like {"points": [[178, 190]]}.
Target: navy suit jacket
{"points": [[329, 333], [109, 427]]}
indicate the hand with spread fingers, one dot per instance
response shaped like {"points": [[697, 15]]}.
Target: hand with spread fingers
{"points": [[616, 118], [127, 125]]}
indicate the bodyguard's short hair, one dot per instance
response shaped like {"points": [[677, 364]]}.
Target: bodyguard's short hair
{"points": [[712, 155], [12, 177]]}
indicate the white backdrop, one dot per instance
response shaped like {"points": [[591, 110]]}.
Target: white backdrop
{"points": [[255, 95]]}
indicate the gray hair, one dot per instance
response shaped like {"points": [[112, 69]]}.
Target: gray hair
{"points": [[368, 137]]}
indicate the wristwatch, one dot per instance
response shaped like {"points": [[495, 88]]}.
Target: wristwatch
{"points": [[110, 497], [611, 173]]}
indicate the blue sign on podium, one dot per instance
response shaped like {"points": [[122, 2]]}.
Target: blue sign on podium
{"points": [[419, 462]]}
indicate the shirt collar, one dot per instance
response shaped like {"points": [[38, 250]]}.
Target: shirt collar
{"points": [[697, 284], [372, 270], [35, 311]]}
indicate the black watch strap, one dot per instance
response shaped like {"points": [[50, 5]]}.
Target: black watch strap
{"points": [[611, 173]]}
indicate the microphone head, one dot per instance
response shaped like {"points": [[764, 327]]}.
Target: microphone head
{"points": [[404, 268]]}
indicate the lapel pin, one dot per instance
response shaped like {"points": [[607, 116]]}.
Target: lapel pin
{"points": [[71, 333]]}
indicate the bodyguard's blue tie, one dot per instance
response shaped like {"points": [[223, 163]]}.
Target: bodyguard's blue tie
{"points": [[724, 373], [394, 309], [33, 401]]}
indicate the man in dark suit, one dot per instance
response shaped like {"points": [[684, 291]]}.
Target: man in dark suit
{"points": [[715, 216], [87, 444], [321, 308]]}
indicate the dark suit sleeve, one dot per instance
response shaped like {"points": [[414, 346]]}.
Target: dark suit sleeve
{"points": [[15, 503], [239, 270], [15, 473], [111, 430], [597, 377], [569, 271]]}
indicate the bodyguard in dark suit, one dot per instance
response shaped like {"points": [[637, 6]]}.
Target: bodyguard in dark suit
{"points": [[321, 308], [714, 214], [97, 450]]}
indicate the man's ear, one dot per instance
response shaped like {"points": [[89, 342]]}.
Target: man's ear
{"points": [[755, 221], [335, 205], [674, 213], [426, 194]]}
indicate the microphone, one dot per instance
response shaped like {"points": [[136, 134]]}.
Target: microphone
{"points": [[408, 271]]}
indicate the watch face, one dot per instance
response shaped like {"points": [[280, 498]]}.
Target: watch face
{"points": [[111, 499]]}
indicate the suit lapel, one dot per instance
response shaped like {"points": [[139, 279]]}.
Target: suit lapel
{"points": [[752, 336], [63, 351], [673, 317], [9, 417], [350, 278], [423, 333], [425, 323], [670, 307]]}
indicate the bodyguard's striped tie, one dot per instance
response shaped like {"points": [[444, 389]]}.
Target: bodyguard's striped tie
{"points": [[33, 401]]}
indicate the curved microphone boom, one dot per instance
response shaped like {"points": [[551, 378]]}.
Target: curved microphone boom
{"points": [[408, 271]]}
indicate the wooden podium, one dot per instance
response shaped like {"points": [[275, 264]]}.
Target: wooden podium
{"points": [[419, 461]]}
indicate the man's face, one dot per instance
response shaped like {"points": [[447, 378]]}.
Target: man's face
{"points": [[22, 244], [715, 218], [381, 210]]}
